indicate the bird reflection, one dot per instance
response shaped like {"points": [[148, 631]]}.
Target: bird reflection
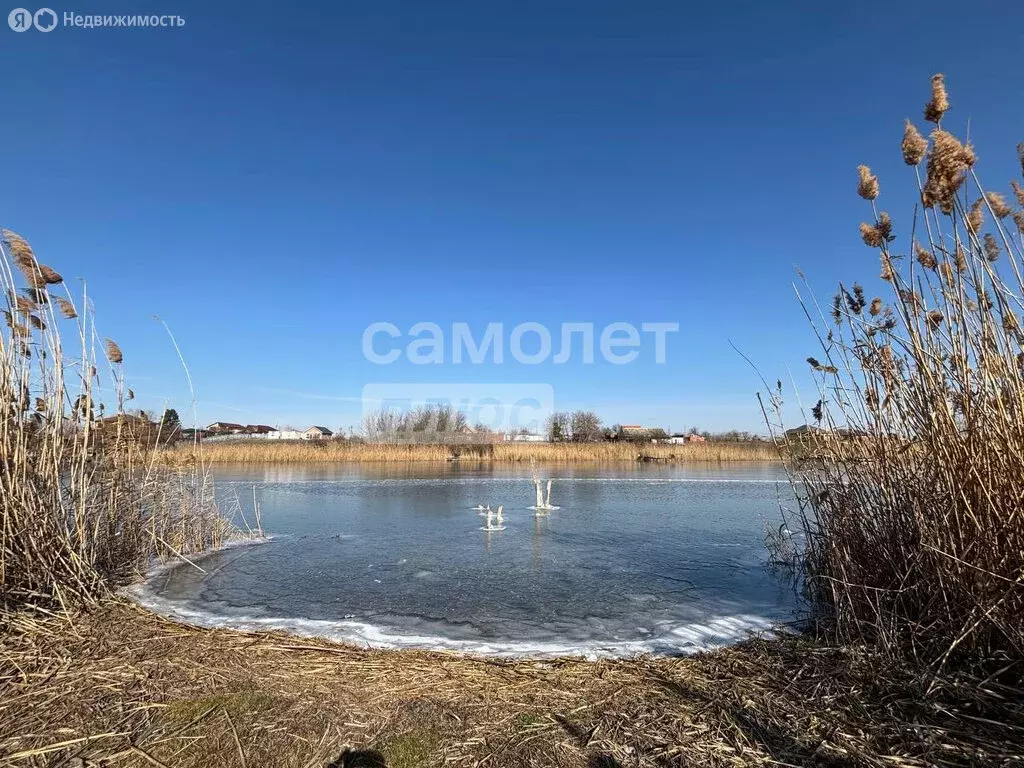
{"points": [[538, 526]]}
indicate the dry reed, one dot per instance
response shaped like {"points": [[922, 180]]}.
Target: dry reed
{"points": [[273, 451], [913, 497], [83, 504]]}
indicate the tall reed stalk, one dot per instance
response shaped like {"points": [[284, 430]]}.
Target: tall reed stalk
{"points": [[83, 504], [913, 493]]}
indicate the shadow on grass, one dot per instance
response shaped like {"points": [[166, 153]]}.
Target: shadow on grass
{"points": [[779, 744], [359, 758]]}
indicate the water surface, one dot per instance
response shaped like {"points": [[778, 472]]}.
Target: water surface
{"points": [[663, 559]]}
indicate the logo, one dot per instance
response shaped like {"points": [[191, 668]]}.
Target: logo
{"points": [[45, 19], [22, 19]]}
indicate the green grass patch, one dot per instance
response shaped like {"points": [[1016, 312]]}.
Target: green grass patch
{"points": [[410, 749], [526, 719]]}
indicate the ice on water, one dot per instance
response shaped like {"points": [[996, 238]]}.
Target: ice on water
{"points": [[663, 560]]}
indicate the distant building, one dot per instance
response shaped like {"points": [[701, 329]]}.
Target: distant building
{"points": [[258, 429], [695, 438], [632, 430], [803, 433], [225, 428], [317, 433], [528, 438], [637, 432]]}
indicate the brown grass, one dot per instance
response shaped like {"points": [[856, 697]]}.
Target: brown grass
{"points": [[127, 687], [264, 451], [915, 533]]}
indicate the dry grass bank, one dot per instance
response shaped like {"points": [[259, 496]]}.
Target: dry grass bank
{"points": [[260, 451], [127, 688]]}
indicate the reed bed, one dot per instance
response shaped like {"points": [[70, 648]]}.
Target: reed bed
{"points": [[123, 687], [263, 451], [83, 504], [914, 518]]}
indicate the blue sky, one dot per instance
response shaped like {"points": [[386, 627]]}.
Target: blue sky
{"points": [[270, 179]]}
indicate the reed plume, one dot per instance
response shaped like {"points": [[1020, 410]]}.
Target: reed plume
{"points": [[114, 354], [867, 186], [871, 236], [914, 145], [925, 257], [938, 105], [948, 164], [67, 309], [1018, 192], [976, 217], [998, 205], [50, 275], [992, 249], [24, 304]]}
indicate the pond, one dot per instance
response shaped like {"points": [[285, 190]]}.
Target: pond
{"points": [[635, 559]]}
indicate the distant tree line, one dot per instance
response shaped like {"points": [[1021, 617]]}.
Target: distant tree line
{"points": [[431, 423]]}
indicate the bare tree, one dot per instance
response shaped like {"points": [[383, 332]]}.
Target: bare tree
{"points": [[585, 426], [557, 426], [430, 423]]}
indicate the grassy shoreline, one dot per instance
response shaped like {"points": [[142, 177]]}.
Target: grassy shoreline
{"points": [[122, 684], [255, 451]]}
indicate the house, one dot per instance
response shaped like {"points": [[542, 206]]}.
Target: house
{"points": [[258, 429], [635, 429], [803, 433], [317, 433], [637, 432], [695, 438], [225, 428], [626, 431]]}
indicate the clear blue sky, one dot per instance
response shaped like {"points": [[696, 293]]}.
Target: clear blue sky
{"points": [[272, 178]]}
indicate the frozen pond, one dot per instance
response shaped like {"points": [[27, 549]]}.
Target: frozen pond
{"points": [[662, 559]]}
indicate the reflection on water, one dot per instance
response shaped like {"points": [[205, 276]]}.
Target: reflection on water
{"points": [[637, 558]]}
